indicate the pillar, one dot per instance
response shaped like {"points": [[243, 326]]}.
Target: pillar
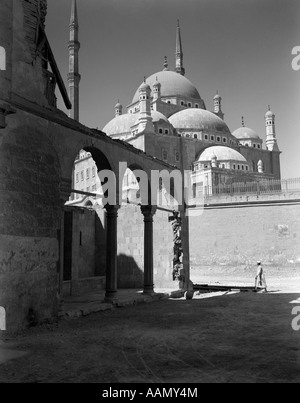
{"points": [[111, 253], [148, 213]]}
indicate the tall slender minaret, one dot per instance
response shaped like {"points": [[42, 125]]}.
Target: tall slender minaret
{"points": [[271, 141], [74, 76], [179, 54]]}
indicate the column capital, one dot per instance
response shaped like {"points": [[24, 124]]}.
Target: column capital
{"points": [[65, 188], [112, 210], [148, 211]]}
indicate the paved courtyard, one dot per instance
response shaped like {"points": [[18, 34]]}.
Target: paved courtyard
{"points": [[236, 337]]}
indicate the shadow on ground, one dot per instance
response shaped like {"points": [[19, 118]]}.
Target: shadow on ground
{"points": [[231, 338]]}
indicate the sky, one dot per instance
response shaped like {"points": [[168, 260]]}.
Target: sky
{"points": [[240, 48]]}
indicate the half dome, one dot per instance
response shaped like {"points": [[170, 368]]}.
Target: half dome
{"points": [[172, 84], [245, 133], [222, 153], [120, 124], [199, 119], [123, 123]]}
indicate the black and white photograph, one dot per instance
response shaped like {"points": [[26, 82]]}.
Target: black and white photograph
{"points": [[149, 194]]}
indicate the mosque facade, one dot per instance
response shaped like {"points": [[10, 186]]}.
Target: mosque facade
{"points": [[168, 119]]}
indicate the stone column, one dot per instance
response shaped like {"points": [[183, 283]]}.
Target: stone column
{"points": [[148, 213], [65, 189], [61, 253], [111, 253]]}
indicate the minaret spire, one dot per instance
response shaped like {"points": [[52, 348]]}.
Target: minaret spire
{"points": [[74, 76], [179, 54]]}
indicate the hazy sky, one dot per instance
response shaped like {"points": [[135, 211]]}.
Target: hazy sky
{"points": [[242, 48]]}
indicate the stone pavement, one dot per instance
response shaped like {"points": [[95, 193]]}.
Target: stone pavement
{"points": [[77, 306], [214, 338]]}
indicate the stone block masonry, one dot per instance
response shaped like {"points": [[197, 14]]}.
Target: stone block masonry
{"points": [[28, 278], [240, 235], [131, 248]]}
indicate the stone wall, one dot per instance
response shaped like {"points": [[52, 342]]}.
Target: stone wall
{"points": [[131, 249], [29, 222], [29, 279], [88, 250], [237, 236], [84, 251]]}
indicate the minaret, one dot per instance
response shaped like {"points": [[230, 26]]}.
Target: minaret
{"points": [[156, 90], [271, 141], [74, 76], [218, 106], [118, 109], [179, 54], [145, 118]]}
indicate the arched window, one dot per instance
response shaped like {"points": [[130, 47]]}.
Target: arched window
{"points": [[165, 155], [2, 58]]}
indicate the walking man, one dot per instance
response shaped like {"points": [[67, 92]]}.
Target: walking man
{"points": [[260, 279]]}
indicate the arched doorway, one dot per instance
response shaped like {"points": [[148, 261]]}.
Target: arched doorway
{"points": [[85, 248]]}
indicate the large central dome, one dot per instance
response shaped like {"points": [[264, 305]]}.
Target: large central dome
{"points": [[172, 84]]}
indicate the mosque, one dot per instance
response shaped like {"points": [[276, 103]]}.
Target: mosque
{"points": [[168, 119]]}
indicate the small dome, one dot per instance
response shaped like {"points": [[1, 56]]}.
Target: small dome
{"points": [[269, 114], [144, 87], [244, 133], [217, 96], [118, 105], [193, 119], [172, 84], [222, 154], [157, 83]]}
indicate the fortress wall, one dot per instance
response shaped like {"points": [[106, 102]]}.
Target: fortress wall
{"points": [[237, 236]]}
